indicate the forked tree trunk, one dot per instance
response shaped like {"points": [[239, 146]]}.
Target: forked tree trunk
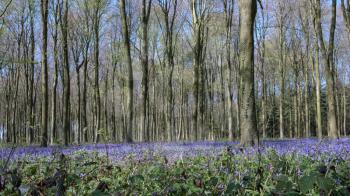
{"points": [[327, 58]]}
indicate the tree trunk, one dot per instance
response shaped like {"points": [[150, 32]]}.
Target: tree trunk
{"points": [[84, 104], [55, 78], [146, 10], [14, 105], [248, 9], [44, 74], [31, 77], [228, 9], [7, 107], [66, 76], [344, 111], [114, 110], [327, 58], [306, 91], [346, 15], [318, 94], [199, 20], [97, 98], [105, 137], [282, 85], [79, 129], [125, 32]]}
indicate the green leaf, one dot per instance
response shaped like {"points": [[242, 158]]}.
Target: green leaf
{"points": [[72, 178], [283, 183], [193, 190], [98, 193], [213, 181], [325, 183], [232, 187], [292, 194], [306, 183], [32, 170], [136, 178]]}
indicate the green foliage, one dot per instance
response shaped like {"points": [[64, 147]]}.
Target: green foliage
{"points": [[227, 174]]}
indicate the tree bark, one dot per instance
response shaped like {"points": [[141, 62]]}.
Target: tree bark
{"points": [[125, 32], [55, 76], [97, 97], [248, 9], [228, 10], [30, 103], [84, 99], [44, 74], [105, 137], [327, 58], [282, 82], [66, 76], [145, 14], [199, 19], [344, 111], [318, 95]]}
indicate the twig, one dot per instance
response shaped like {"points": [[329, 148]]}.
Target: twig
{"points": [[260, 3], [9, 156], [6, 7]]}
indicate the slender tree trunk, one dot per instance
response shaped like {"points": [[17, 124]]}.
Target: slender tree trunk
{"points": [[79, 130], [146, 10], [306, 93], [344, 111], [106, 107], [66, 76], [44, 74], [84, 104], [14, 107], [263, 106], [228, 9], [31, 77], [7, 106], [296, 107], [318, 94], [338, 110], [114, 111], [97, 98], [55, 78], [282, 85], [223, 96], [264, 95], [54, 98], [229, 104]]}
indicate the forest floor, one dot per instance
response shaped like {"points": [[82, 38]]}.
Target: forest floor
{"points": [[293, 167]]}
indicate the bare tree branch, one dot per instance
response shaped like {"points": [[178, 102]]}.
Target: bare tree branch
{"points": [[6, 7]]}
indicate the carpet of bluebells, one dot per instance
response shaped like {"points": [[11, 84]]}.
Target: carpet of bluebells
{"points": [[282, 167]]}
